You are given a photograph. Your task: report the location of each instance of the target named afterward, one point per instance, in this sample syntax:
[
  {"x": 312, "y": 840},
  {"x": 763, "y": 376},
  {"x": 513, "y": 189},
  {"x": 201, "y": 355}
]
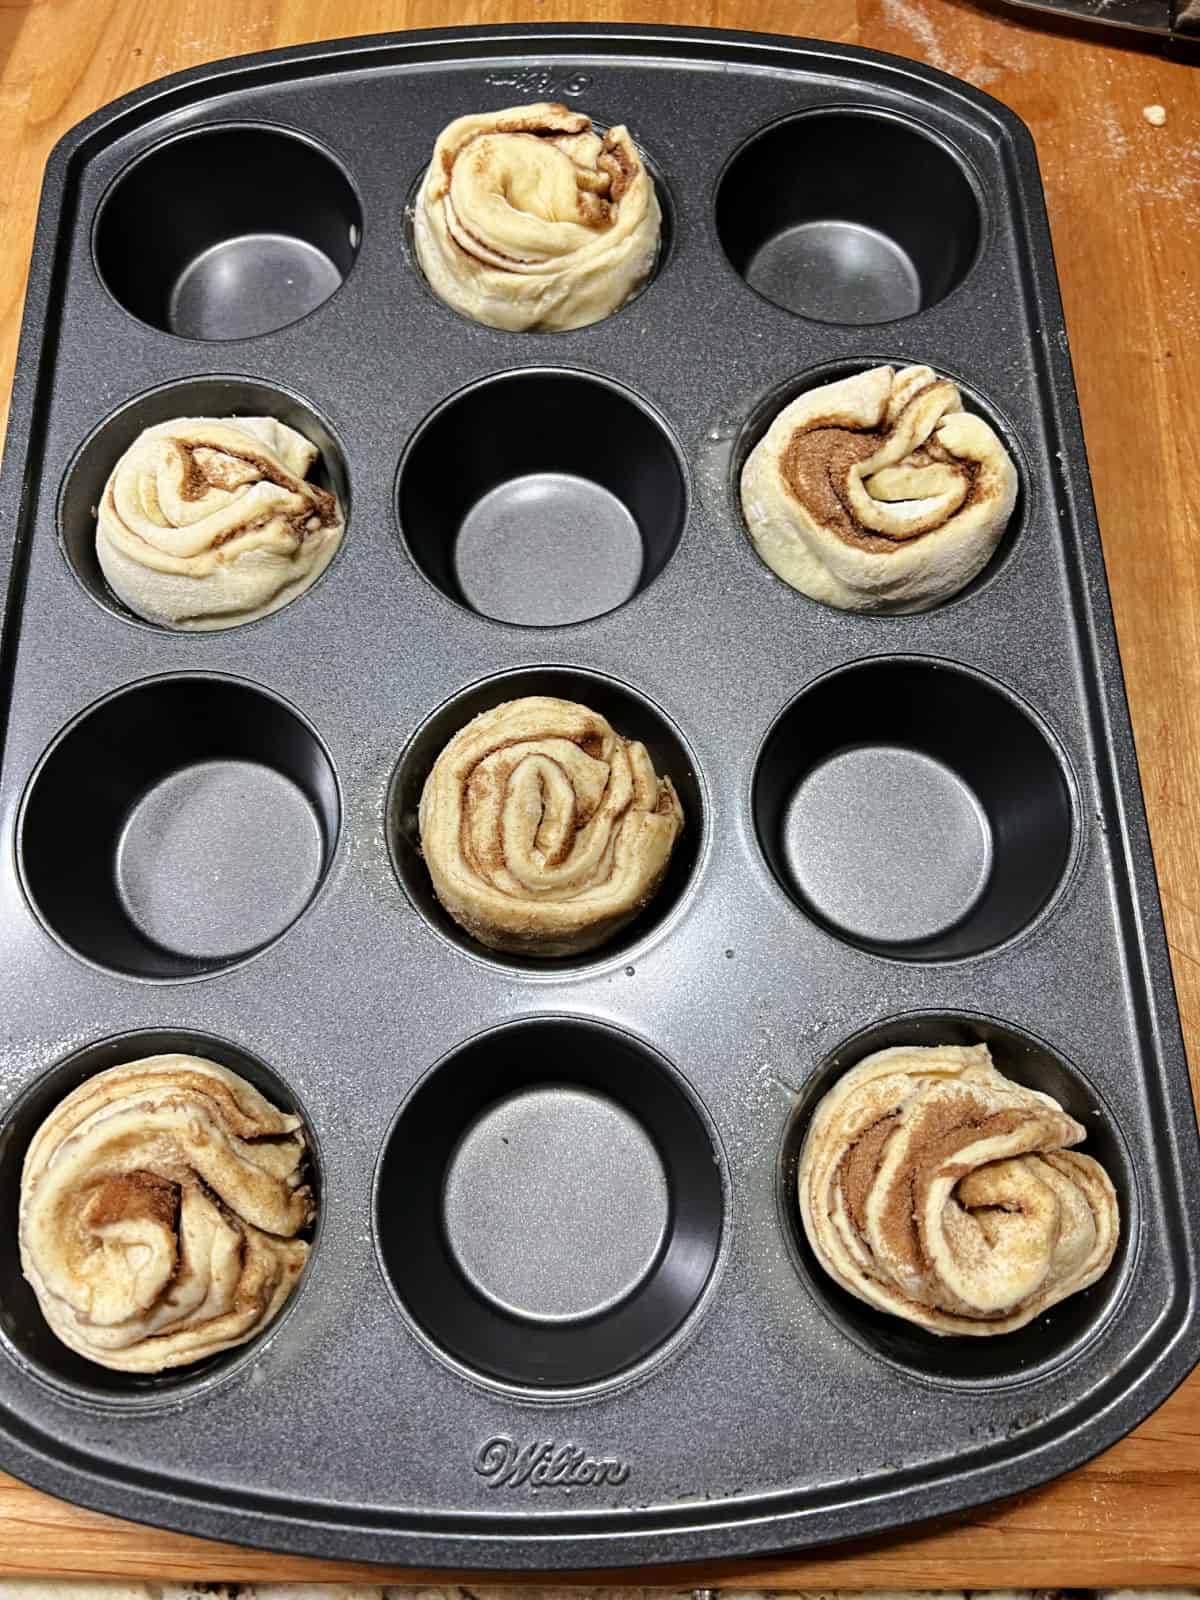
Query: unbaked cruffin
[
  {"x": 879, "y": 492},
  {"x": 210, "y": 522},
  {"x": 528, "y": 219},
  {"x": 934, "y": 1188},
  {"x": 163, "y": 1204},
  {"x": 545, "y": 832}
]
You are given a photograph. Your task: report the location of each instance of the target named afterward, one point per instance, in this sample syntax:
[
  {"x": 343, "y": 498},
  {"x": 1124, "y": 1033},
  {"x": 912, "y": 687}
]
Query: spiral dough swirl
[
  {"x": 161, "y": 1204},
  {"x": 544, "y": 831},
  {"x": 208, "y": 523},
  {"x": 529, "y": 219},
  {"x": 879, "y": 492},
  {"x": 936, "y": 1189}
]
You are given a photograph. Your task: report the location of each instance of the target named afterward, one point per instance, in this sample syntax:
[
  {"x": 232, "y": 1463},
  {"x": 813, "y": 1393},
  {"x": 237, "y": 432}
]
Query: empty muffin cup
[
  {"x": 1058, "y": 1333},
  {"x": 848, "y": 216},
  {"x": 549, "y": 1204},
  {"x": 228, "y": 232},
  {"x": 212, "y": 814},
  {"x": 21, "y": 1321},
  {"x": 913, "y": 808},
  {"x": 631, "y": 715},
  {"x": 542, "y": 497},
  {"x": 220, "y": 397}
]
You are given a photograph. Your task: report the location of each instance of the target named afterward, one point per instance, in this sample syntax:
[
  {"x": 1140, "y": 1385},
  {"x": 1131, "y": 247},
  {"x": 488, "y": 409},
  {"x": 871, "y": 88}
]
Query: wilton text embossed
[{"x": 504, "y": 1464}]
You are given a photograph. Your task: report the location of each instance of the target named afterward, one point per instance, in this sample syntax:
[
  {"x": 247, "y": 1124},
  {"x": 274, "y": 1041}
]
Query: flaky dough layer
[
  {"x": 528, "y": 219},
  {"x": 934, "y": 1188},
  {"x": 545, "y": 831},
  {"x": 878, "y": 492},
  {"x": 209, "y": 522},
  {"x": 161, "y": 1204}
]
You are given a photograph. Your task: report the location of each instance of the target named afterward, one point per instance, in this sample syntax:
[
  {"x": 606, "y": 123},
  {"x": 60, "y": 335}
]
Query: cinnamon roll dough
[
  {"x": 208, "y": 523},
  {"x": 529, "y": 219},
  {"x": 545, "y": 831},
  {"x": 934, "y": 1188},
  {"x": 161, "y": 1204},
  {"x": 878, "y": 492}
]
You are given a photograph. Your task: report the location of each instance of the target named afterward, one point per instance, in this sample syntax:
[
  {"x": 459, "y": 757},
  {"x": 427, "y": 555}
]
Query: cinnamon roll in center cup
[
  {"x": 546, "y": 817},
  {"x": 544, "y": 830}
]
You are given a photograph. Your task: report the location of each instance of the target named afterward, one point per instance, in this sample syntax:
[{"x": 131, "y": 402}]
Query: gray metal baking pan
[{"x": 611, "y": 1346}]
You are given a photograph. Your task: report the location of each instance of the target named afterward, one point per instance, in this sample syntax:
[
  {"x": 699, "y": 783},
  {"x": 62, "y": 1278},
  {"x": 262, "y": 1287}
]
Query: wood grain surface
[{"x": 1124, "y": 201}]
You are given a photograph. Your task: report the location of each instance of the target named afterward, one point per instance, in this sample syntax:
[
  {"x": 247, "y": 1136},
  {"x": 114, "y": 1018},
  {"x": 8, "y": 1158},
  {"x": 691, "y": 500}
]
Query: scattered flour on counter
[
  {"x": 909, "y": 17},
  {"x": 1117, "y": 138},
  {"x": 1174, "y": 175}
]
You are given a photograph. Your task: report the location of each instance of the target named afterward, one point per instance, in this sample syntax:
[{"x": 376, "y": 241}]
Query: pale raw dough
[
  {"x": 545, "y": 831},
  {"x": 527, "y": 219},
  {"x": 933, "y": 1187},
  {"x": 878, "y": 492},
  {"x": 207, "y": 523},
  {"x": 161, "y": 1204}
]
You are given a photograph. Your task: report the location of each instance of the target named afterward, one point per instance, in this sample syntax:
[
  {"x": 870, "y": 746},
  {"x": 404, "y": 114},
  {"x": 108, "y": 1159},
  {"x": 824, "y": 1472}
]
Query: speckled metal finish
[
  {"x": 555, "y": 1204},
  {"x": 774, "y": 1415}
]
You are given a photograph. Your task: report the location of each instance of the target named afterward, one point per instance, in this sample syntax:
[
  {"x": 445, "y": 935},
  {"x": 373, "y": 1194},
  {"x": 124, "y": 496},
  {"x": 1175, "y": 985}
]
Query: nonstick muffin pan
[{"x": 605, "y": 1340}]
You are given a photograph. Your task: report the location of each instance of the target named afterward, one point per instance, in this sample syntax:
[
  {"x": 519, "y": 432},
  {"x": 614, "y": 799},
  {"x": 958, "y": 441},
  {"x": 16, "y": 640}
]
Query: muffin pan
[{"x": 559, "y": 1311}]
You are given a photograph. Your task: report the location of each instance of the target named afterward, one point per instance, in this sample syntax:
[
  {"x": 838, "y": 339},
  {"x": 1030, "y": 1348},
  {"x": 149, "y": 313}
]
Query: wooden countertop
[{"x": 1124, "y": 202}]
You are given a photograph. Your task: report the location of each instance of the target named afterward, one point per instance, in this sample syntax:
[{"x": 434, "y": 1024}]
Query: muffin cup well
[
  {"x": 848, "y": 216},
  {"x": 228, "y": 232},
  {"x": 914, "y": 808},
  {"x": 1059, "y": 1333},
  {"x": 213, "y": 813},
  {"x": 542, "y": 497},
  {"x": 21, "y": 1321},
  {"x": 549, "y": 1204},
  {"x": 631, "y": 715}
]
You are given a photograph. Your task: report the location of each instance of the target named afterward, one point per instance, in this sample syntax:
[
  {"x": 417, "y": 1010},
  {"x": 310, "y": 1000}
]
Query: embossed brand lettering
[
  {"x": 540, "y": 80},
  {"x": 504, "y": 1464}
]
